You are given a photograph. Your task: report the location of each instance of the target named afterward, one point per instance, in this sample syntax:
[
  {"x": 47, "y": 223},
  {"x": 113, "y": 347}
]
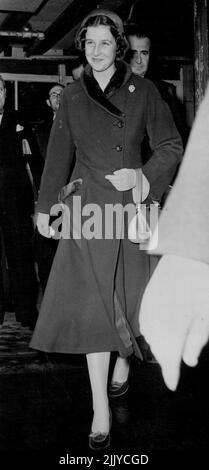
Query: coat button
[
  {"x": 118, "y": 123},
  {"x": 118, "y": 148}
]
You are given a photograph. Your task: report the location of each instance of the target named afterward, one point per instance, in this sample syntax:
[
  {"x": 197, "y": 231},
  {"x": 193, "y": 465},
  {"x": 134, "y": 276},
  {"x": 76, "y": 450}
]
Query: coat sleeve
[
  {"x": 34, "y": 158},
  {"x": 168, "y": 94},
  {"x": 59, "y": 158},
  {"x": 165, "y": 142}
]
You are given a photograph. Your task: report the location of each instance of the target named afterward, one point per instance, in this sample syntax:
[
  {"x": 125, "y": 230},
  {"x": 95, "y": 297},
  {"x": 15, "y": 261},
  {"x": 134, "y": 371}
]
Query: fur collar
[{"x": 92, "y": 88}]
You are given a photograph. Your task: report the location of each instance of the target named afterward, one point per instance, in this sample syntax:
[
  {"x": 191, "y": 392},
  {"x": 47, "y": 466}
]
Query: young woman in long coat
[{"x": 95, "y": 286}]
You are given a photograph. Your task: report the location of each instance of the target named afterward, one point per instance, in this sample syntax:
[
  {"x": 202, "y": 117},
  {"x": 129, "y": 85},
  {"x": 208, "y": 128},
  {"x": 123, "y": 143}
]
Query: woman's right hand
[{"x": 42, "y": 222}]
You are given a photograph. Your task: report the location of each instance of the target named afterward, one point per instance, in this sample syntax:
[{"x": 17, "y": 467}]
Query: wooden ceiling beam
[
  {"x": 72, "y": 15},
  {"x": 13, "y": 21},
  {"x": 20, "y": 5}
]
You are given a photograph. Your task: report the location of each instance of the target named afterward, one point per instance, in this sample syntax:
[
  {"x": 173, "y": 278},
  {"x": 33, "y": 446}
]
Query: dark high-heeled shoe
[
  {"x": 117, "y": 389},
  {"x": 100, "y": 440}
]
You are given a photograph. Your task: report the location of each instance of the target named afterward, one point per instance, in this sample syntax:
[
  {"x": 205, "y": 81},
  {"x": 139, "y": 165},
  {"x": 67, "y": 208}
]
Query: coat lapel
[{"x": 93, "y": 90}]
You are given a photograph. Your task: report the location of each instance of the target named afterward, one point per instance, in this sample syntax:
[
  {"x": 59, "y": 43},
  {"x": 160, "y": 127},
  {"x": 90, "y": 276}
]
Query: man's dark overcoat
[
  {"x": 92, "y": 298},
  {"x": 45, "y": 247},
  {"x": 16, "y": 207}
]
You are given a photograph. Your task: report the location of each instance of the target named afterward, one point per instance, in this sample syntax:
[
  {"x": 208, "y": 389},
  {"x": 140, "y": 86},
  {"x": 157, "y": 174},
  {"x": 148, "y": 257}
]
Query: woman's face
[{"x": 100, "y": 48}]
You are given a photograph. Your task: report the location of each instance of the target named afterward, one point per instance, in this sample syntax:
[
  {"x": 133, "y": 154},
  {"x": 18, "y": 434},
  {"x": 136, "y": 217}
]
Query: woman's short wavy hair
[{"x": 100, "y": 19}]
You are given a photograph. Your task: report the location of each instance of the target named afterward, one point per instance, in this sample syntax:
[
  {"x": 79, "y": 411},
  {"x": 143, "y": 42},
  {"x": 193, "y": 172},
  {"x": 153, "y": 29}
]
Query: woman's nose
[{"x": 96, "y": 49}]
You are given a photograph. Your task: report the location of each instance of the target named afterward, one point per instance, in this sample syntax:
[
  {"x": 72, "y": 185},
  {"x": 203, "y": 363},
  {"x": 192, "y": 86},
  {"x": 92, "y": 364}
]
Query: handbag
[{"x": 139, "y": 230}]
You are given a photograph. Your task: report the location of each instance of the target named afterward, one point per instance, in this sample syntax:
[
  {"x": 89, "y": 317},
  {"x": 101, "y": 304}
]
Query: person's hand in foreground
[{"x": 174, "y": 314}]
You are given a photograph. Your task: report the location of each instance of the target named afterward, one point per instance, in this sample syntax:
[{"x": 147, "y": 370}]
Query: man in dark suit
[
  {"x": 21, "y": 166},
  {"x": 142, "y": 62},
  {"x": 46, "y": 247},
  {"x": 44, "y": 129}
]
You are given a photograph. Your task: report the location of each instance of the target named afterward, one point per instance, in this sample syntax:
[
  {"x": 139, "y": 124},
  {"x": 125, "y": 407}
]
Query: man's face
[
  {"x": 140, "y": 48},
  {"x": 54, "y": 97},
  {"x": 2, "y": 96}
]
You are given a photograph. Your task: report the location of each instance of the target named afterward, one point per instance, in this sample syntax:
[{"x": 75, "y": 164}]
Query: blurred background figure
[
  {"x": 174, "y": 316},
  {"x": 54, "y": 97},
  {"x": 21, "y": 166},
  {"x": 139, "y": 52},
  {"x": 46, "y": 247},
  {"x": 53, "y": 102},
  {"x": 144, "y": 63}
]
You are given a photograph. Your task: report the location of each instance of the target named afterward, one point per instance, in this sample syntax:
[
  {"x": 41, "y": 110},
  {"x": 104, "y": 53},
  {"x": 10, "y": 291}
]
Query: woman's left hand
[{"x": 123, "y": 179}]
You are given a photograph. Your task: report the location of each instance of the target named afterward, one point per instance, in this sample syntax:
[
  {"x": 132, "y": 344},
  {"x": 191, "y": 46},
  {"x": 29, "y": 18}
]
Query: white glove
[
  {"x": 174, "y": 315},
  {"x": 123, "y": 179},
  {"x": 42, "y": 223}
]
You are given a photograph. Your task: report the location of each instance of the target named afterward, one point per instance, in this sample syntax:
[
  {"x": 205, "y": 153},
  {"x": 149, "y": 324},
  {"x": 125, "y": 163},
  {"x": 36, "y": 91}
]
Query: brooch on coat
[{"x": 132, "y": 88}]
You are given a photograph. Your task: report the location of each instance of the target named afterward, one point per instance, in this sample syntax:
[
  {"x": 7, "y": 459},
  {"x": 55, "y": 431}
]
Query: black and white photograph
[{"x": 104, "y": 233}]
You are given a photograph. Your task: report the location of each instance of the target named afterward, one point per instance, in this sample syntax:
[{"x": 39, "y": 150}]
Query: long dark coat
[
  {"x": 92, "y": 298},
  {"x": 16, "y": 207}
]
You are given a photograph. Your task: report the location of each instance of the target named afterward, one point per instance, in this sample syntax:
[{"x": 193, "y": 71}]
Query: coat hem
[{"x": 81, "y": 351}]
